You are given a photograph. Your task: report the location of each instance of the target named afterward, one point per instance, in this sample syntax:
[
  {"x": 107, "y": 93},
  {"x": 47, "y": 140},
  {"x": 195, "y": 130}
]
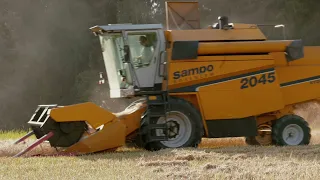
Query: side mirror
[{"x": 126, "y": 53}]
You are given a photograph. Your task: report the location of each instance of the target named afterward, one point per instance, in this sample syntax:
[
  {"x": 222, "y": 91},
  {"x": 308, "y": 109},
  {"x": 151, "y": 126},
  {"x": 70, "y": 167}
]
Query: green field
[{"x": 4, "y": 135}]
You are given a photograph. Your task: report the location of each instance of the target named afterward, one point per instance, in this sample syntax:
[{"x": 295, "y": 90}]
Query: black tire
[
  {"x": 195, "y": 122},
  {"x": 291, "y": 120}
]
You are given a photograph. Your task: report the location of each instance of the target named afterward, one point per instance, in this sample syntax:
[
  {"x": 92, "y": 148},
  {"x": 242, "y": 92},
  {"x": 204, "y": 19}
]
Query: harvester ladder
[{"x": 157, "y": 108}]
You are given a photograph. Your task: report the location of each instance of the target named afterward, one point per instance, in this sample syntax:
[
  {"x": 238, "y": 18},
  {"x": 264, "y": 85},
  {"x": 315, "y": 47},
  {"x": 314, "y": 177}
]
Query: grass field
[
  {"x": 228, "y": 158},
  {"x": 214, "y": 159}
]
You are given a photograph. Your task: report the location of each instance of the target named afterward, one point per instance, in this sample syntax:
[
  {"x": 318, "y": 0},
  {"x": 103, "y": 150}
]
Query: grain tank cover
[{"x": 182, "y": 15}]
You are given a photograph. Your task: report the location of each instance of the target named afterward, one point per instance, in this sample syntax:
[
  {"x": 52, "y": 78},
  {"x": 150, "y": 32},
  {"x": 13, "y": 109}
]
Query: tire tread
[
  {"x": 283, "y": 121},
  {"x": 195, "y": 139}
]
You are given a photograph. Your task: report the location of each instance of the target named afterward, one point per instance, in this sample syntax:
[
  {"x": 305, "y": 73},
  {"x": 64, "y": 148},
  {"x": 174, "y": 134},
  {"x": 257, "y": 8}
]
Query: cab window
[{"x": 142, "y": 47}]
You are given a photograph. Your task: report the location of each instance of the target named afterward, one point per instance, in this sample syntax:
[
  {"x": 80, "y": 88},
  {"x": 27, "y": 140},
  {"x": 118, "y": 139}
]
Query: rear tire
[
  {"x": 291, "y": 130},
  {"x": 186, "y": 126}
]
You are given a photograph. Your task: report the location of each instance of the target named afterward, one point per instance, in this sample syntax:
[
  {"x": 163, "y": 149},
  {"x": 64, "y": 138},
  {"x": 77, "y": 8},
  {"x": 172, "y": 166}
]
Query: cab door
[{"x": 145, "y": 49}]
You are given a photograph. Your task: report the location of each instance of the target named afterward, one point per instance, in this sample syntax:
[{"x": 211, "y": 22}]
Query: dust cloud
[
  {"x": 310, "y": 111},
  {"x": 44, "y": 45}
]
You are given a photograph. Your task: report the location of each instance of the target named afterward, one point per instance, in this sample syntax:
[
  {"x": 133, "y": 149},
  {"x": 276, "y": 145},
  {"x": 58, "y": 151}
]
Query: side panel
[
  {"x": 300, "y": 80},
  {"x": 299, "y": 83},
  {"x": 242, "y": 95},
  {"x": 225, "y": 127},
  {"x": 232, "y": 127},
  {"x": 231, "y": 89}
]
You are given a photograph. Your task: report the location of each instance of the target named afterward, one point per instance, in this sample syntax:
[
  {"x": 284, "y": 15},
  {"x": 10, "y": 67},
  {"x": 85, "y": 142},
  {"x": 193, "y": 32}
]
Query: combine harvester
[{"x": 226, "y": 80}]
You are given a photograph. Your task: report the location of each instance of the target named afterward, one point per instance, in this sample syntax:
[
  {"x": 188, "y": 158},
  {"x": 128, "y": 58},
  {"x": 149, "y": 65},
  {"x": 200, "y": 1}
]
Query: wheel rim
[
  {"x": 292, "y": 134},
  {"x": 179, "y": 134}
]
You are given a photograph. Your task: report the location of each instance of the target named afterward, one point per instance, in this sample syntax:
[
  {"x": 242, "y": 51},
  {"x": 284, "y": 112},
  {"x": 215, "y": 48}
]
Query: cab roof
[{"x": 120, "y": 27}]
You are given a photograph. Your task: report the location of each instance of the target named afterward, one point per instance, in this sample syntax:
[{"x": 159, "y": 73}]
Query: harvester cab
[{"x": 132, "y": 56}]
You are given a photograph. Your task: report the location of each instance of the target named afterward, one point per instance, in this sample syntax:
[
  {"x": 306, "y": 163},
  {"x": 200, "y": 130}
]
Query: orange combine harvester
[{"x": 227, "y": 80}]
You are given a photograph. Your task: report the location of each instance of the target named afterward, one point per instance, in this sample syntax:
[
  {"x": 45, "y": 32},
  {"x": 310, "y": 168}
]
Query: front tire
[
  {"x": 291, "y": 130},
  {"x": 185, "y": 127}
]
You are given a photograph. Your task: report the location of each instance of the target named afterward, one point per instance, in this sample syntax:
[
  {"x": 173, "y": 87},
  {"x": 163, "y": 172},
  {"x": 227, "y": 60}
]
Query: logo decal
[{"x": 193, "y": 73}]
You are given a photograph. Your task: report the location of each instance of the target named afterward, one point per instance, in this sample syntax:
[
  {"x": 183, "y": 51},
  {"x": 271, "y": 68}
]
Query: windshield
[{"x": 118, "y": 72}]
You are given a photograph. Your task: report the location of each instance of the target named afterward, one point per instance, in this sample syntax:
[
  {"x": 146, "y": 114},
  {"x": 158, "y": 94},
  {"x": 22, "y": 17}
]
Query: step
[
  {"x": 153, "y": 92},
  {"x": 157, "y": 138},
  {"x": 150, "y": 127},
  {"x": 156, "y": 115},
  {"x": 157, "y": 126},
  {"x": 157, "y": 102}
]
